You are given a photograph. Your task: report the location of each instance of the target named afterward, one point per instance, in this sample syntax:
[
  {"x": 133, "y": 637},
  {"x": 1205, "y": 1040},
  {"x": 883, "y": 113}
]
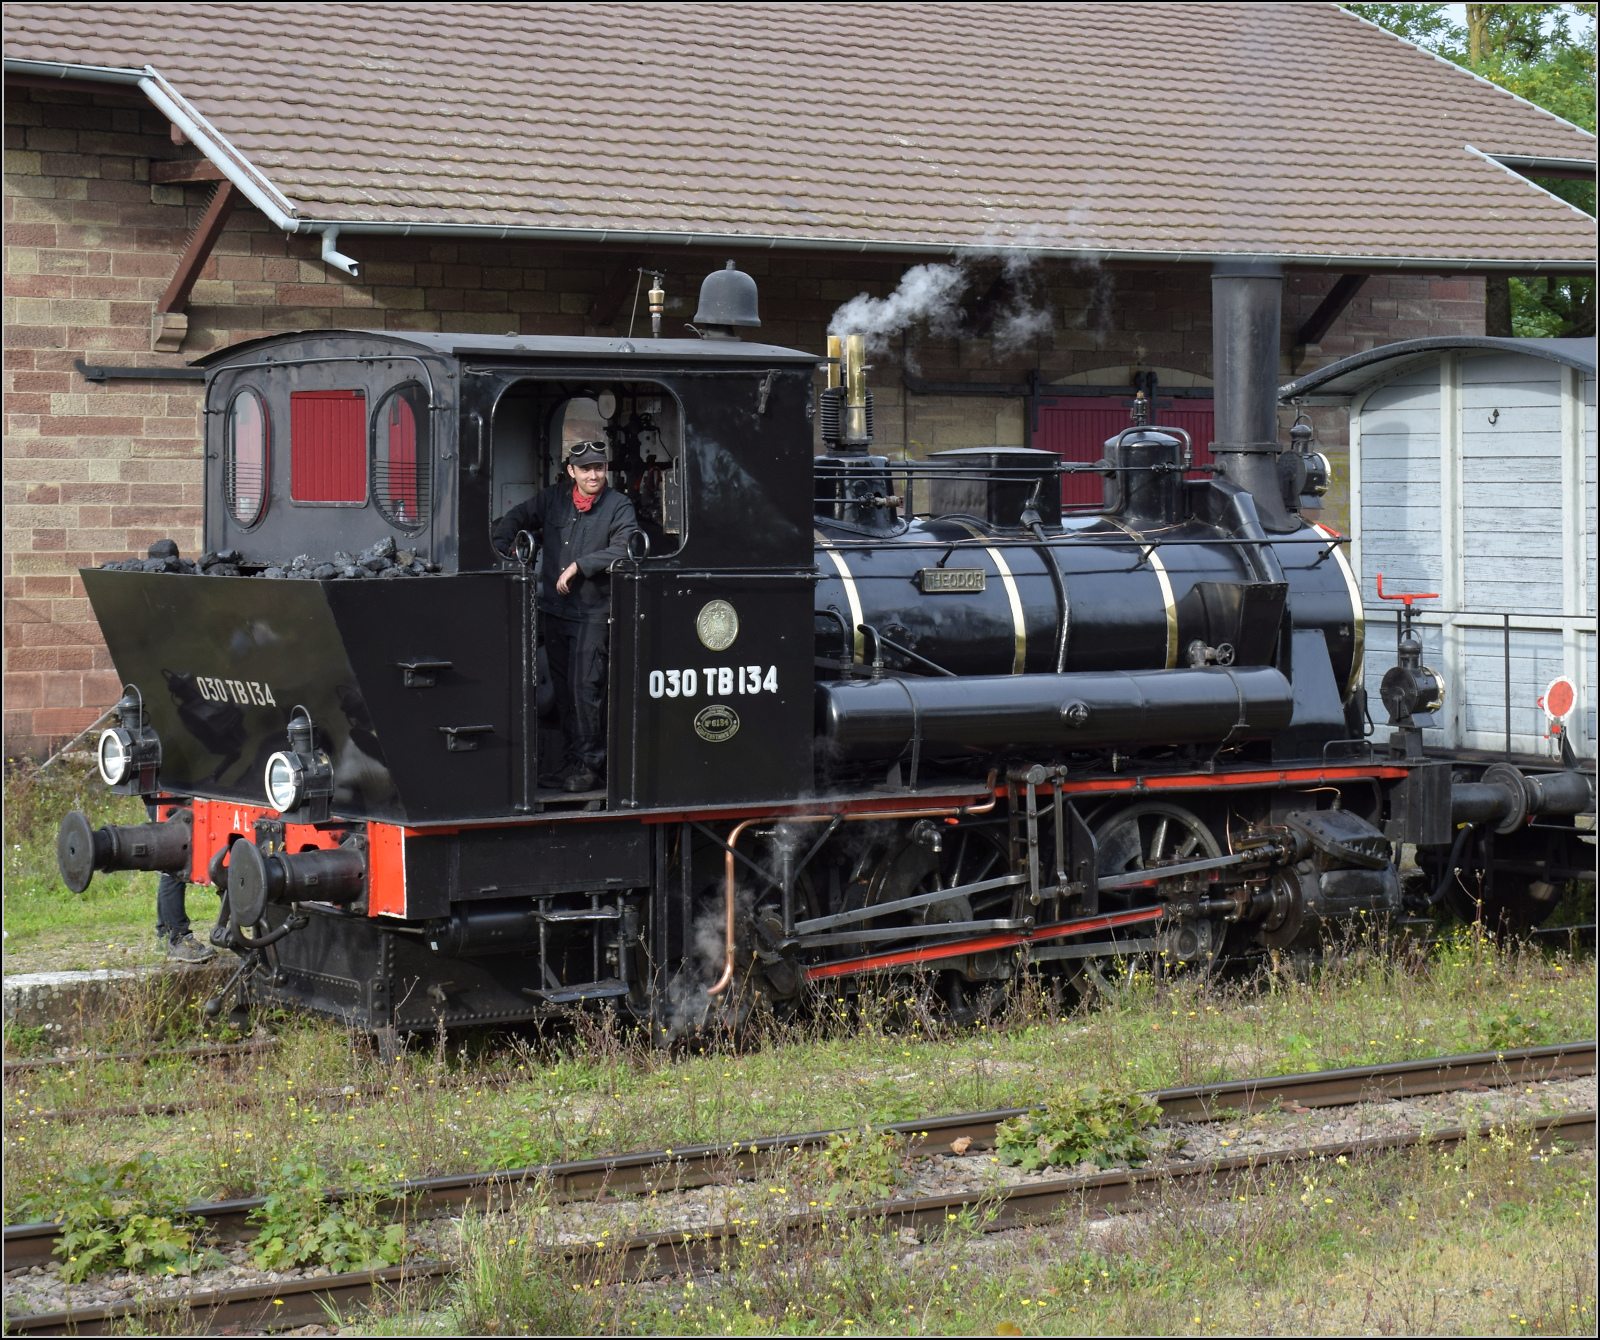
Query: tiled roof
[{"x": 1294, "y": 130}]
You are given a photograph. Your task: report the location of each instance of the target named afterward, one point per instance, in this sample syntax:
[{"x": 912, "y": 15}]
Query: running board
[{"x": 576, "y": 995}]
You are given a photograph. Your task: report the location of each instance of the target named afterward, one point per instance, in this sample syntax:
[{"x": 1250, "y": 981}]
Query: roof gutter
[
  {"x": 855, "y": 246},
  {"x": 280, "y": 210},
  {"x": 1534, "y": 165},
  {"x": 233, "y": 165}
]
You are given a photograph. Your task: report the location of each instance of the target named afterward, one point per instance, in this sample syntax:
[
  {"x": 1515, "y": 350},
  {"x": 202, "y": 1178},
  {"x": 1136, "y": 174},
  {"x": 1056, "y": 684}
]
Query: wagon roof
[
  {"x": 532, "y": 348},
  {"x": 1165, "y": 132},
  {"x": 1350, "y": 375}
]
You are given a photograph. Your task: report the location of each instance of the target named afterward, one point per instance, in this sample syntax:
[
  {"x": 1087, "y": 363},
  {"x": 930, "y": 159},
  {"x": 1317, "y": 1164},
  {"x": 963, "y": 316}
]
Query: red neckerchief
[{"x": 584, "y": 501}]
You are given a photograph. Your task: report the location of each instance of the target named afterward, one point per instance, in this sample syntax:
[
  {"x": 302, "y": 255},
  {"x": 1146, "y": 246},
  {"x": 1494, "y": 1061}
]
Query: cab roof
[{"x": 531, "y": 347}]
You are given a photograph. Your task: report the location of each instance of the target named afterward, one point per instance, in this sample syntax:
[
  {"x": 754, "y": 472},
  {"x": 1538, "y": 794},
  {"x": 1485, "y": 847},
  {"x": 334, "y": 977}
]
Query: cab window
[
  {"x": 536, "y": 422},
  {"x": 244, "y": 464},
  {"x": 401, "y": 457},
  {"x": 327, "y": 448}
]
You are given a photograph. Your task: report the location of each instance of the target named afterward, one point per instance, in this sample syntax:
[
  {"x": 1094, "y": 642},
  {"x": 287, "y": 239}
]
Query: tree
[{"x": 1546, "y": 54}]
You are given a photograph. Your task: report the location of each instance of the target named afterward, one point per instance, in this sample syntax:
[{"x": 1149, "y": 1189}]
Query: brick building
[{"x": 182, "y": 177}]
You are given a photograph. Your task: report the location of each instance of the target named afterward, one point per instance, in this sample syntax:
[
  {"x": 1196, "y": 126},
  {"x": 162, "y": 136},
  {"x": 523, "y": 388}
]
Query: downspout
[
  {"x": 257, "y": 189},
  {"x": 332, "y": 256}
]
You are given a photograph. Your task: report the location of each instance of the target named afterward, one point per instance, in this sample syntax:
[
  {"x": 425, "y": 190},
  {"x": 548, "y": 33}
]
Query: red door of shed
[{"x": 1077, "y": 428}]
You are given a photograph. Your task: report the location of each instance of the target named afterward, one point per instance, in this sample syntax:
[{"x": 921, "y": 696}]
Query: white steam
[
  {"x": 1098, "y": 313},
  {"x": 929, "y": 296},
  {"x": 690, "y": 1006},
  {"x": 1022, "y": 318}
]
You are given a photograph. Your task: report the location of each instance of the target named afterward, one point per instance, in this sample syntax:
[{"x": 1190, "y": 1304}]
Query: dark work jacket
[{"x": 594, "y": 540}]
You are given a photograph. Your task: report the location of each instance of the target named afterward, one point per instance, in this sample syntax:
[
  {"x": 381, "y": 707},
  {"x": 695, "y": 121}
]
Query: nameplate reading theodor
[{"x": 932, "y": 580}]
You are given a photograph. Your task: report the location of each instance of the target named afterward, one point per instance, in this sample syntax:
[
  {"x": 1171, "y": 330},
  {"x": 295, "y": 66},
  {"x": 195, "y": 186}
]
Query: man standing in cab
[{"x": 583, "y": 528}]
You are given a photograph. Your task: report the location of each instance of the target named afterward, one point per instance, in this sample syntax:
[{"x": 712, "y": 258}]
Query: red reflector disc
[{"x": 1560, "y": 698}]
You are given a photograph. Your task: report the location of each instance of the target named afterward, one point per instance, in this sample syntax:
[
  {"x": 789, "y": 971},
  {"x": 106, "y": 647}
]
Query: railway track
[
  {"x": 282, "y": 1306},
  {"x": 141, "y": 1058},
  {"x": 294, "y": 1303},
  {"x": 697, "y": 1165}
]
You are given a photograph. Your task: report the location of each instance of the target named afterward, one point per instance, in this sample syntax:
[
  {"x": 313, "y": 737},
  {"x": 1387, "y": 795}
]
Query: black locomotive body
[{"x": 865, "y": 716}]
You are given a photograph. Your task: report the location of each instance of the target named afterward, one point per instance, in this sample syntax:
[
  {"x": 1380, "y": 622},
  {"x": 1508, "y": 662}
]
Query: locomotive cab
[{"x": 352, "y": 480}]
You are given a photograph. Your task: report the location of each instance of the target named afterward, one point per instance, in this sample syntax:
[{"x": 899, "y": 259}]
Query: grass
[
  {"x": 458, "y": 1106},
  {"x": 47, "y": 927},
  {"x": 1488, "y": 1238}
]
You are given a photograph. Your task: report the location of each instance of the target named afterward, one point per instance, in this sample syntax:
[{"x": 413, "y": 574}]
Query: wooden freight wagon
[{"x": 1472, "y": 474}]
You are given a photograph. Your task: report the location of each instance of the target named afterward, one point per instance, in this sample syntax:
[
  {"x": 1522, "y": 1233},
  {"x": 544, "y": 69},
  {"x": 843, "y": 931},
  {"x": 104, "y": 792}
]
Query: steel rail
[
  {"x": 141, "y": 1058},
  {"x": 248, "y": 1310},
  {"x": 1021, "y": 1203},
  {"x": 698, "y": 1165},
  {"x": 655, "y": 1255},
  {"x": 178, "y": 1107}
]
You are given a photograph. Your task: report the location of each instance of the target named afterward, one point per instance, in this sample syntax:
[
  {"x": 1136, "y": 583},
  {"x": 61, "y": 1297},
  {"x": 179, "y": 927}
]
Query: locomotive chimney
[{"x": 1246, "y": 307}]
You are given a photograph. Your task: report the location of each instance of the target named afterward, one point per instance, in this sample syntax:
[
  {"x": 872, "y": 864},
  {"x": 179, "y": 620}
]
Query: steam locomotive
[{"x": 866, "y": 716}]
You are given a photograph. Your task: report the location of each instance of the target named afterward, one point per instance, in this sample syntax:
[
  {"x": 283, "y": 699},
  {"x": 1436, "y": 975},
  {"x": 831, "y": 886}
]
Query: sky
[{"x": 1458, "y": 15}]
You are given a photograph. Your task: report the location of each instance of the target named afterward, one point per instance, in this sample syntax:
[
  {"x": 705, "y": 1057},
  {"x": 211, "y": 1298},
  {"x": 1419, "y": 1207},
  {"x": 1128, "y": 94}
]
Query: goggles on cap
[{"x": 586, "y": 453}]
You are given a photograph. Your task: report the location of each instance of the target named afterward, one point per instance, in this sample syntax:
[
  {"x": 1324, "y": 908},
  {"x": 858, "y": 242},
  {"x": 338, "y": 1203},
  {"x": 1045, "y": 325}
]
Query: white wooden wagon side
[{"x": 1472, "y": 474}]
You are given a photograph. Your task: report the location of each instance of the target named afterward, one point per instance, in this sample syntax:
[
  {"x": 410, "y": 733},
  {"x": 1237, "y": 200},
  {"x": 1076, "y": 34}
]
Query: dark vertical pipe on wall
[
  {"x": 1505, "y": 632},
  {"x": 1246, "y": 312}
]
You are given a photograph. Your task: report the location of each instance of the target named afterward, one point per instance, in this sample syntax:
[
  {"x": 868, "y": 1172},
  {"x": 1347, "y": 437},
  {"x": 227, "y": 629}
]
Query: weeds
[
  {"x": 829, "y": 1273},
  {"x": 119, "y": 1217},
  {"x": 515, "y": 1279},
  {"x": 1087, "y": 1123},
  {"x": 299, "y": 1223},
  {"x": 870, "y": 1161},
  {"x": 1488, "y": 1237},
  {"x": 1516, "y": 1028}
]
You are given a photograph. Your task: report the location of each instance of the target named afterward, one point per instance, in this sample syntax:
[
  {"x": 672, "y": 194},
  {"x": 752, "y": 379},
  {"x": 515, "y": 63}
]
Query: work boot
[
  {"x": 581, "y": 779},
  {"x": 186, "y": 949}
]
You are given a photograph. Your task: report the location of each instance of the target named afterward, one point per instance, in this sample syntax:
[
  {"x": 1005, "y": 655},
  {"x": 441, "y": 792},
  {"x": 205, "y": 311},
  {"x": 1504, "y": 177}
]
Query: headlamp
[
  {"x": 286, "y": 781},
  {"x": 129, "y": 754},
  {"x": 299, "y": 780},
  {"x": 116, "y": 756}
]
